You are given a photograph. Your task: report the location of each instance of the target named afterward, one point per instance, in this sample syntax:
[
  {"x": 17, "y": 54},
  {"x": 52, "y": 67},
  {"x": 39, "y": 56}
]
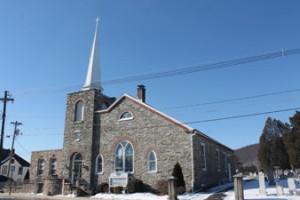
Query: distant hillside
[{"x": 247, "y": 156}]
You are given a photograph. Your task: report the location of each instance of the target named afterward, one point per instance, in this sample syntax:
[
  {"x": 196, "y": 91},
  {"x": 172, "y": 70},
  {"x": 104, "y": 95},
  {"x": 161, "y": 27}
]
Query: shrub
[
  {"x": 104, "y": 188},
  {"x": 118, "y": 190},
  {"x": 162, "y": 187},
  {"x": 180, "y": 183},
  {"x": 135, "y": 185}
]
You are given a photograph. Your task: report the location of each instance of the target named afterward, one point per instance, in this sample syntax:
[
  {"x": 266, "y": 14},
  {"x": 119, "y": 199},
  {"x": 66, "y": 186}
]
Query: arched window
[
  {"x": 79, "y": 111},
  {"x": 126, "y": 116},
  {"x": 53, "y": 166},
  {"x": 41, "y": 166},
  {"x": 124, "y": 157},
  {"x": 99, "y": 164},
  {"x": 76, "y": 167},
  {"x": 151, "y": 162}
]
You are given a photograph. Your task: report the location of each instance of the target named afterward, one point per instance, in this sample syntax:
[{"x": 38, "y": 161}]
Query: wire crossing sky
[{"x": 247, "y": 53}]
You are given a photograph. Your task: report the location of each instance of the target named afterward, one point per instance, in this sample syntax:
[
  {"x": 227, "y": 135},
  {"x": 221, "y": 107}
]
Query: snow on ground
[
  {"x": 251, "y": 191},
  {"x": 149, "y": 196}
]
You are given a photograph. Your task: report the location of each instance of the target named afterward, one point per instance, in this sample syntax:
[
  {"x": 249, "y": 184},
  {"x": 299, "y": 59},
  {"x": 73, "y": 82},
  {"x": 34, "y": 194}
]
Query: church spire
[{"x": 93, "y": 77}]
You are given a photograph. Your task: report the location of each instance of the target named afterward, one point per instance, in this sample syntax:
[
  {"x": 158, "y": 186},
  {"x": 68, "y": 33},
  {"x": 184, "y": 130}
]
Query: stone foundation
[{"x": 52, "y": 186}]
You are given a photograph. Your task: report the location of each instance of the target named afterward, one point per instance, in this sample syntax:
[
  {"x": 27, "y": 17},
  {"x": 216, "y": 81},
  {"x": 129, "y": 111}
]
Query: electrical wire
[
  {"x": 25, "y": 149},
  {"x": 177, "y": 72},
  {"x": 232, "y": 99},
  {"x": 205, "y": 67}
]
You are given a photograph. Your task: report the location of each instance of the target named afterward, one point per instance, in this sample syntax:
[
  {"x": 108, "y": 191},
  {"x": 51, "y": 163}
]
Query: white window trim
[
  {"x": 204, "y": 153},
  {"x": 96, "y": 167},
  {"x": 133, "y": 153},
  {"x": 42, "y": 167},
  {"x": 55, "y": 166},
  {"x": 148, "y": 166},
  {"x": 127, "y": 118},
  {"x": 82, "y": 111}
]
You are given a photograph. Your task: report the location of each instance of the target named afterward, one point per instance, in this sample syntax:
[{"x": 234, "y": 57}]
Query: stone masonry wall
[
  {"x": 146, "y": 131},
  {"x": 46, "y": 155},
  {"x": 212, "y": 175},
  {"x": 89, "y": 140},
  {"x": 83, "y": 144}
]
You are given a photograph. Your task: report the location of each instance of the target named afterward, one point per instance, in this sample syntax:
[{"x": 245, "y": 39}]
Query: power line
[
  {"x": 25, "y": 149},
  {"x": 177, "y": 72},
  {"x": 205, "y": 67},
  {"x": 243, "y": 116},
  {"x": 232, "y": 99},
  {"x": 186, "y": 123}
]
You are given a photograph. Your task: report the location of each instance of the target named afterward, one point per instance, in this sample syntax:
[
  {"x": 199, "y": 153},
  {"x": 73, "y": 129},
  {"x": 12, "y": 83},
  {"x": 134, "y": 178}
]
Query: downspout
[{"x": 192, "y": 160}]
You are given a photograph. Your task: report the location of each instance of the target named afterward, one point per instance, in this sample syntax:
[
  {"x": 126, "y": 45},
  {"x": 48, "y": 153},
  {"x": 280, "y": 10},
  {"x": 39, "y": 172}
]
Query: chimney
[{"x": 141, "y": 93}]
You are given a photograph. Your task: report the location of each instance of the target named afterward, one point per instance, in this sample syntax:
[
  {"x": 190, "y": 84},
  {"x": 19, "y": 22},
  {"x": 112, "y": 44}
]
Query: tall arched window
[
  {"x": 124, "y": 157},
  {"x": 99, "y": 164},
  {"x": 79, "y": 111},
  {"x": 151, "y": 162}
]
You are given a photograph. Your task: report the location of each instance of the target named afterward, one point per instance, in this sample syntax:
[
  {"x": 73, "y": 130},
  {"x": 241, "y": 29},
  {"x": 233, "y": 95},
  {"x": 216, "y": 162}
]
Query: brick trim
[
  {"x": 124, "y": 138},
  {"x": 151, "y": 148}
]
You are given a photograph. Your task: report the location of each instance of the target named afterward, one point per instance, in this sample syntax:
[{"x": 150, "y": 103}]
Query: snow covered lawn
[{"x": 251, "y": 191}]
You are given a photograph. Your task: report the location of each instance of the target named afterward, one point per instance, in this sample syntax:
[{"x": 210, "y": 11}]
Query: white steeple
[{"x": 93, "y": 77}]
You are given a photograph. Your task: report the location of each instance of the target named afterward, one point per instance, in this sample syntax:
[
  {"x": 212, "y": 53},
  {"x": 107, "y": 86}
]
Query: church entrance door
[{"x": 76, "y": 168}]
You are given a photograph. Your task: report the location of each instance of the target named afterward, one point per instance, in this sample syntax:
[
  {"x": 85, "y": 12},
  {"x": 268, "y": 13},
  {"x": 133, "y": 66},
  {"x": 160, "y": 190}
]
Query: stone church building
[{"x": 107, "y": 139}]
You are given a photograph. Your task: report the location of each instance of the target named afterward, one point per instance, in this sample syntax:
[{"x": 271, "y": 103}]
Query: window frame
[
  {"x": 53, "y": 166},
  {"x": 151, "y": 161},
  {"x": 4, "y": 170},
  {"x": 121, "y": 118},
  {"x": 41, "y": 167},
  {"x": 79, "y": 111},
  {"x": 203, "y": 157},
  {"x": 218, "y": 160},
  {"x": 97, "y": 164},
  {"x": 20, "y": 170},
  {"x": 124, "y": 144},
  {"x": 76, "y": 135}
]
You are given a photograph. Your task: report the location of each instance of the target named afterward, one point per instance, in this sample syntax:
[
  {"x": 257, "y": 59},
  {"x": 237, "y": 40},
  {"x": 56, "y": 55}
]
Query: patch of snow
[
  {"x": 251, "y": 191},
  {"x": 135, "y": 196}
]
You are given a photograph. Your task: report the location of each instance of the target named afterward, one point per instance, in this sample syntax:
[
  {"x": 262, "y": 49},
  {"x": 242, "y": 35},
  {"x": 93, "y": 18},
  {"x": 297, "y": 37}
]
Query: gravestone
[
  {"x": 290, "y": 174},
  {"x": 279, "y": 189},
  {"x": 238, "y": 187},
  {"x": 271, "y": 177},
  {"x": 262, "y": 185},
  {"x": 292, "y": 185},
  {"x": 172, "y": 188}
]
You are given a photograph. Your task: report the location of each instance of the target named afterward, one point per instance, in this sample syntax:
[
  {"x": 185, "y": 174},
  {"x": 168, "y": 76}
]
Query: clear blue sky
[{"x": 45, "y": 47}]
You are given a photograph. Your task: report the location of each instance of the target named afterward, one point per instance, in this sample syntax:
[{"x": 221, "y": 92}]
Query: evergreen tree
[
  {"x": 292, "y": 141},
  {"x": 177, "y": 173},
  {"x": 272, "y": 150}
]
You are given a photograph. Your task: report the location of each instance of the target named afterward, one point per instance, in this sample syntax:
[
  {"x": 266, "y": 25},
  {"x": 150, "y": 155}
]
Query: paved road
[{"x": 6, "y": 196}]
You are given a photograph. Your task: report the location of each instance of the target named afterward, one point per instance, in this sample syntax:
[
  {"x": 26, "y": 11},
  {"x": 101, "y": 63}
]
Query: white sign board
[{"x": 118, "y": 179}]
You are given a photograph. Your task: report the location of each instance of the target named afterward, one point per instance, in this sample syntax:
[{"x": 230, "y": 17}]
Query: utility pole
[
  {"x": 12, "y": 152},
  {"x": 5, "y": 100}
]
